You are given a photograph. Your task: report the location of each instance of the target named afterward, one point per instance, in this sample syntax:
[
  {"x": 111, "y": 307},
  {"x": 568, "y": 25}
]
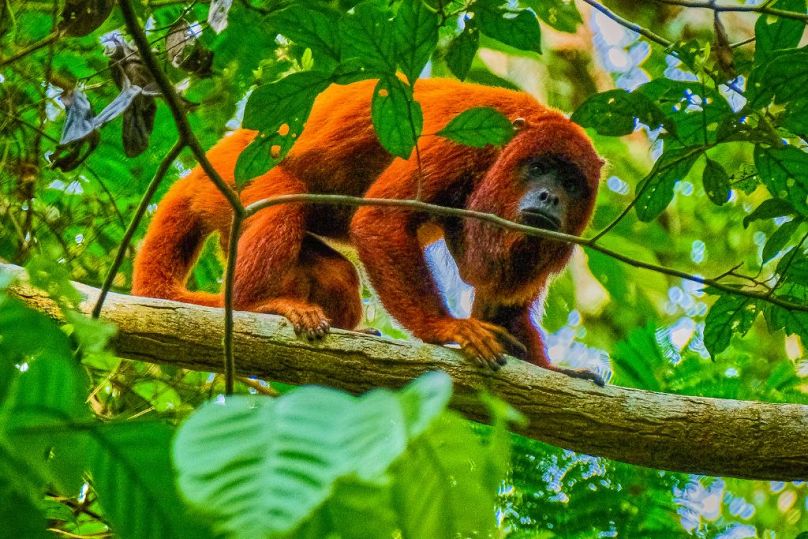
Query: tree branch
[
  {"x": 718, "y": 8},
  {"x": 591, "y": 243},
  {"x": 719, "y": 437}
]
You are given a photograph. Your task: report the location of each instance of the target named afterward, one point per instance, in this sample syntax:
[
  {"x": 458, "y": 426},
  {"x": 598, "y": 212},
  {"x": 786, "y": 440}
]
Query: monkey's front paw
[{"x": 484, "y": 343}]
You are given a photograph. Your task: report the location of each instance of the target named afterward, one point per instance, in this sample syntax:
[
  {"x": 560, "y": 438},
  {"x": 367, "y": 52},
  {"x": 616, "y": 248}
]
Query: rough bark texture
[{"x": 688, "y": 434}]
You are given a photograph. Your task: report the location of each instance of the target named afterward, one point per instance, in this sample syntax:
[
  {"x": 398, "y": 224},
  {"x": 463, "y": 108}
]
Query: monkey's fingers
[
  {"x": 511, "y": 344},
  {"x": 583, "y": 374}
]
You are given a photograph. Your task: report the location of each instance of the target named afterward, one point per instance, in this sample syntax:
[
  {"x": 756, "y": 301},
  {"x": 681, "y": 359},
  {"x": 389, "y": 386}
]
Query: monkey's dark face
[{"x": 552, "y": 187}]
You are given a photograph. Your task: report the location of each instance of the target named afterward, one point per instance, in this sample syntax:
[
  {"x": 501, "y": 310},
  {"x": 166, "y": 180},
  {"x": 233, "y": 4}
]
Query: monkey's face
[
  {"x": 545, "y": 177},
  {"x": 553, "y": 189}
]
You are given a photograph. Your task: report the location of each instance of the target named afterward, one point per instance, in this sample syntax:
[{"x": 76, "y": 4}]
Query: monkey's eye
[
  {"x": 539, "y": 168},
  {"x": 571, "y": 186}
]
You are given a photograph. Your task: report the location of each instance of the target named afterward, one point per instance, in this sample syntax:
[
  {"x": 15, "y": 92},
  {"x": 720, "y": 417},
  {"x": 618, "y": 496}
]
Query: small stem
[
  {"x": 133, "y": 224},
  {"x": 648, "y": 34},
  {"x": 229, "y": 281}
]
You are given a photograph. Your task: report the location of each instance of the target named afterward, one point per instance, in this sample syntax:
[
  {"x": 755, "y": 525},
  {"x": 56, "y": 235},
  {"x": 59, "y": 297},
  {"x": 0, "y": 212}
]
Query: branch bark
[{"x": 717, "y": 437}]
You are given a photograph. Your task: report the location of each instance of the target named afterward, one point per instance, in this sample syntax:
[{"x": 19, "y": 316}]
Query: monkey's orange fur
[{"x": 283, "y": 269}]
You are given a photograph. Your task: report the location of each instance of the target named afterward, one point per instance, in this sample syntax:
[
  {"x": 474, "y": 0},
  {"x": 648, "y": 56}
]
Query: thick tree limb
[{"x": 689, "y": 434}]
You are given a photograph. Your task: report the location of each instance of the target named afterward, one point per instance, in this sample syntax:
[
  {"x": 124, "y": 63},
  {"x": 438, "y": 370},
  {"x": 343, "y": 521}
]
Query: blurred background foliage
[{"x": 732, "y": 85}]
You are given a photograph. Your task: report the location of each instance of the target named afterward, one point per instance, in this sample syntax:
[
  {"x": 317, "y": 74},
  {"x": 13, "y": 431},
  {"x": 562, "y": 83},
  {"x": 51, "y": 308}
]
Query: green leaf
[
  {"x": 694, "y": 112},
  {"x": 365, "y": 35},
  {"x": 793, "y": 268},
  {"x": 772, "y": 32},
  {"x": 716, "y": 182},
  {"x": 25, "y": 333},
  {"x": 655, "y": 191},
  {"x": 416, "y": 35},
  {"x": 397, "y": 118},
  {"x": 462, "y": 49},
  {"x": 560, "y": 14},
  {"x": 479, "y": 127},
  {"x": 310, "y": 27},
  {"x": 20, "y": 516},
  {"x": 784, "y": 171},
  {"x": 131, "y": 469},
  {"x": 773, "y": 207},
  {"x": 54, "y": 278},
  {"x": 613, "y": 113},
  {"x": 636, "y": 358},
  {"x": 443, "y": 485},
  {"x": 729, "y": 315},
  {"x": 611, "y": 274},
  {"x": 517, "y": 28},
  {"x": 779, "y": 239},
  {"x": 286, "y": 101},
  {"x": 263, "y": 466},
  {"x": 424, "y": 399}
]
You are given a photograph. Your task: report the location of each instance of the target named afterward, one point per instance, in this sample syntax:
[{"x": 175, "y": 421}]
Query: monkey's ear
[{"x": 519, "y": 123}]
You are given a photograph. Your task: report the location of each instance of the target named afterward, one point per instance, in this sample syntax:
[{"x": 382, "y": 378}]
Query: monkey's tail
[{"x": 169, "y": 251}]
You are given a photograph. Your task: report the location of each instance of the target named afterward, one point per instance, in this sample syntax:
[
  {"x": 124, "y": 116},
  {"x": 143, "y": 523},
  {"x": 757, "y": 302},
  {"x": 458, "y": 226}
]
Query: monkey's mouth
[{"x": 540, "y": 219}]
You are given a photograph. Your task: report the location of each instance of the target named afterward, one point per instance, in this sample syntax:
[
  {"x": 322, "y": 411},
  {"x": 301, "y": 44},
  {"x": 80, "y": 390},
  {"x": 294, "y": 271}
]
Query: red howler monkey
[{"x": 546, "y": 176}]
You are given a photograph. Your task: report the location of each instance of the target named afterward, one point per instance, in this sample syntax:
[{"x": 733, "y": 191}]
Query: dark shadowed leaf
[
  {"x": 784, "y": 172},
  {"x": 462, "y": 49},
  {"x": 784, "y": 78},
  {"x": 779, "y": 238},
  {"x": 398, "y": 119},
  {"x": 80, "y": 17},
  {"x": 655, "y": 191},
  {"x": 416, "y": 35},
  {"x": 730, "y": 315},
  {"x": 773, "y": 207},
  {"x": 131, "y": 470},
  {"x": 716, "y": 182},
  {"x": 478, "y": 127},
  {"x": 793, "y": 322},
  {"x": 138, "y": 122},
  {"x": 263, "y": 153},
  {"x": 772, "y": 32}
]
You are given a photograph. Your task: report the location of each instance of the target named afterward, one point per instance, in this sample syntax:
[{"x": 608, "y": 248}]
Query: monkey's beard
[{"x": 505, "y": 264}]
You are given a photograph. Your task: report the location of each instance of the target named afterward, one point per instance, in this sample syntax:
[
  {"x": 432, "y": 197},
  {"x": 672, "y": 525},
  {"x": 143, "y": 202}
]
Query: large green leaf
[
  {"x": 773, "y": 207},
  {"x": 615, "y": 112},
  {"x": 283, "y": 101},
  {"x": 262, "y": 466},
  {"x": 397, "y": 118},
  {"x": 442, "y": 487},
  {"x": 517, "y": 28},
  {"x": 365, "y": 36},
  {"x": 131, "y": 471},
  {"x": 560, "y": 14},
  {"x": 416, "y": 35},
  {"x": 784, "y": 79},
  {"x": 779, "y": 238},
  {"x": 655, "y": 191},
  {"x": 479, "y": 127},
  {"x": 310, "y": 27}
]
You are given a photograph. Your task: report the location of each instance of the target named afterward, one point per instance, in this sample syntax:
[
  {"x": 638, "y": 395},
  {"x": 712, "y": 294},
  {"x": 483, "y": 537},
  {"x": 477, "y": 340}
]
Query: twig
[
  {"x": 133, "y": 224},
  {"x": 434, "y": 209},
  {"x": 263, "y": 390},
  {"x": 630, "y": 25},
  {"x": 44, "y": 42},
  {"x": 763, "y": 8}
]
